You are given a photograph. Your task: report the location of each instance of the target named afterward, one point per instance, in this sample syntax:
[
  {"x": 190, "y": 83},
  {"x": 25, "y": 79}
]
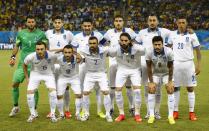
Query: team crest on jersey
[
  {"x": 132, "y": 56},
  {"x": 64, "y": 36},
  {"x": 187, "y": 39},
  {"x": 49, "y": 60}
]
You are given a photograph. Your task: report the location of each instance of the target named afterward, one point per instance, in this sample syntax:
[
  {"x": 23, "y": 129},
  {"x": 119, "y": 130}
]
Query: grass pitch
[{"x": 95, "y": 123}]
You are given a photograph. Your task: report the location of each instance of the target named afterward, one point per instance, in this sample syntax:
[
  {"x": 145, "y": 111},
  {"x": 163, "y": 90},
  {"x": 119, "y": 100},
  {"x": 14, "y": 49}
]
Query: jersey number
[
  {"x": 180, "y": 45},
  {"x": 68, "y": 71},
  {"x": 58, "y": 44},
  {"x": 44, "y": 67}
]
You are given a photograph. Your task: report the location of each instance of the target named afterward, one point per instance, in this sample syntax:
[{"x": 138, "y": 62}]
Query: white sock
[
  {"x": 86, "y": 103},
  {"x": 137, "y": 101},
  {"x": 129, "y": 93},
  {"x": 60, "y": 103},
  {"x": 53, "y": 101},
  {"x": 191, "y": 99},
  {"x": 119, "y": 101},
  {"x": 146, "y": 97},
  {"x": 107, "y": 104},
  {"x": 112, "y": 97},
  {"x": 78, "y": 104},
  {"x": 151, "y": 103},
  {"x": 99, "y": 101},
  {"x": 170, "y": 105},
  {"x": 67, "y": 100},
  {"x": 31, "y": 103},
  {"x": 158, "y": 98},
  {"x": 176, "y": 100}
]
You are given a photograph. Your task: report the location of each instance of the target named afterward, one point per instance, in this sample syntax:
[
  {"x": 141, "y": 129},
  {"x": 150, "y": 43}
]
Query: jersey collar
[
  {"x": 123, "y": 30},
  {"x": 149, "y": 30},
  {"x": 185, "y": 33},
  {"x": 62, "y": 31},
  {"x": 92, "y": 34},
  {"x": 161, "y": 53},
  {"x": 46, "y": 56},
  {"x": 72, "y": 59},
  {"x": 129, "y": 50}
]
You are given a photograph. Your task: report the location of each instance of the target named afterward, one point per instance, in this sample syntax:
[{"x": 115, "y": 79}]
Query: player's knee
[
  {"x": 86, "y": 93},
  {"x": 59, "y": 97},
  {"x": 176, "y": 89},
  {"x": 118, "y": 89},
  {"x": 151, "y": 90},
  {"x": 136, "y": 87},
  {"x": 78, "y": 95},
  {"x": 15, "y": 84},
  {"x": 170, "y": 91},
  {"x": 105, "y": 92},
  {"x": 190, "y": 89},
  {"x": 30, "y": 91},
  {"x": 51, "y": 89}
]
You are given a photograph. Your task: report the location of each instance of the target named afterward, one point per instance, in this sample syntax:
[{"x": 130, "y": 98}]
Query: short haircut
[
  {"x": 182, "y": 16},
  {"x": 57, "y": 17},
  {"x": 87, "y": 20},
  {"x": 118, "y": 16},
  {"x": 157, "y": 38},
  {"x": 93, "y": 38},
  {"x": 126, "y": 35},
  {"x": 30, "y": 16},
  {"x": 152, "y": 14},
  {"x": 68, "y": 47},
  {"x": 41, "y": 43}
]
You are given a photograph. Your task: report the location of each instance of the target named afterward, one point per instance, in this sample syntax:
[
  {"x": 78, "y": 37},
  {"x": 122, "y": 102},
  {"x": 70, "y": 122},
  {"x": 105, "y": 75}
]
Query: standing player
[
  {"x": 26, "y": 40},
  {"x": 42, "y": 63},
  {"x": 113, "y": 36},
  {"x": 95, "y": 59},
  {"x": 58, "y": 38},
  {"x": 128, "y": 58},
  {"x": 159, "y": 61},
  {"x": 69, "y": 75},
  {"x": 185, "y": 71},
  {"x": 80, "y": 41},
  {"x": 145, "y": 38}
]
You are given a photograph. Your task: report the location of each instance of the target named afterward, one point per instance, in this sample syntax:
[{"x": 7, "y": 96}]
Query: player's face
[
  {"x": 152, "y": 22},
  {"x": 57, "y": 23},
  {"x": 68, "y": 52},
  {"x": 182, "y": 24},
  {"x": 93, "y": 45},
  {"x": 40, "y": 50},
  {"x": 158, "y": 46},
  {"x": 124, "y": 42},
  {"x": 30, "y": 23},
  {"x": 87, "y": 27},
  {"x": 118, "y": 23}
]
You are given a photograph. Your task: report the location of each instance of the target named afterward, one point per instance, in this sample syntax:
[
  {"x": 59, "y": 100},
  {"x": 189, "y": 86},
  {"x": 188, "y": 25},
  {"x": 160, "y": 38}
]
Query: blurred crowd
[{"x": 13, "y": 13}]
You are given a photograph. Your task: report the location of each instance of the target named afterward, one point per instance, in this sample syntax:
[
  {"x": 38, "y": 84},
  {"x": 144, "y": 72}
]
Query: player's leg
[
  {"x": 129, "y": 93},
  {"x": 158, "y": 94},
  {"x": 99, "y": 101},
  {"x": 67, "y": 103}
]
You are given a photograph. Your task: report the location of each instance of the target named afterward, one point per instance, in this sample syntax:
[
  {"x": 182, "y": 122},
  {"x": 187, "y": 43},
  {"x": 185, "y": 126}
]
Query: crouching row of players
[{"x": 94, "y": 56}]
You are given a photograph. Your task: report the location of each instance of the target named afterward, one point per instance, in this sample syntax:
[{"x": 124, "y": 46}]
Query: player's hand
[
  {"x": 151, "y": 86},
  {"x": 197, "y": 70},
  {"x": 12, "y": 62}
]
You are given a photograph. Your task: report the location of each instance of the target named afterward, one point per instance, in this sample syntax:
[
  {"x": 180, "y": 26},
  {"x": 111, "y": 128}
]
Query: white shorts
[
  {"x": 73, "y": 81},
  {"x": 36, "y": 78},
  {"x": 184, "y": 74},
  {"x": 123, "y": 74},
  {"x": 144, "y": 74},
  {"x": 91, "y": 78},
  {"x": 160, "y": 80}
]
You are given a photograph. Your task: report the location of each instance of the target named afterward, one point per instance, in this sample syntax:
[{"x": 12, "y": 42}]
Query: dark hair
[
  {"x": 87, "y": 20},
  {"x": 152, "y": 14},
  {"x": 157, "y": 38},
  {"x": 30, "y": 16},
  {"x": 68, "y": 47},
  {"x": 41, "y": 43},
  {"x": 126, "y": 35},
  {"x": 118, "y": 16},
  {"x": 93, "y": 38},
  {"x": 182, "y": 16},
  {"x": 57, "y": 17}
]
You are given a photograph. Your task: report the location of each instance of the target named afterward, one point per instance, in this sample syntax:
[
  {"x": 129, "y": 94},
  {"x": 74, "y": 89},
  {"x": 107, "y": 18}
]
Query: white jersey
[
  {"x": 183, "y": 45},
  {"x": 145, "y": 36},
  {"x": 95, "y": 62},
  {"x": 81, "y": 40},
  {"x": 68, "y": 69},
  {"x": 113, "y": 36},
  {"x": 160, "y": 61},
  {"x": 58, "y": 41},
  {"x": 130, "y": 60},
  {"x": 42, "y": 66}
]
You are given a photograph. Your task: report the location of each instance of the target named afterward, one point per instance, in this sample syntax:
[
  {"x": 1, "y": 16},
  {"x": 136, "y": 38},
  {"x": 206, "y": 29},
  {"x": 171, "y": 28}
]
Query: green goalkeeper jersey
[{"x": 27, "y": 41}]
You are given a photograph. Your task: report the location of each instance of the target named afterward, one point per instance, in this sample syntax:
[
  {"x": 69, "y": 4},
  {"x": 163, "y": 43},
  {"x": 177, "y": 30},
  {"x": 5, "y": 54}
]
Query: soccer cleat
[
  {"x": 157, "y": 115},
  {"x": 53, "y": 118},
  {"x": 111, "y": 111},
  {"x": 36, "y": 114},
  {"x": 147, "y": 116},
  {"x": 49, "y": 115},
  {"x": 120, "y": 118},
  {"x": 101, "y": 115},
  {"x": 175, "y": 115},
  {"x": 171, "y": 120},
  {"x": 109, "y": 118},
  {"x": 192, "y": 116},
  {"x": 14, "y": 111},
  {"x": 137, "y": 118},
  {"x": 31, "y": 118},
  {"x": 68, "y": 115},
  {"x": 151, "y": 119},
  {"x": 78, "y": 117},
  {"x": 61, "y": 117},
  {"x": 132, "y": 111}
]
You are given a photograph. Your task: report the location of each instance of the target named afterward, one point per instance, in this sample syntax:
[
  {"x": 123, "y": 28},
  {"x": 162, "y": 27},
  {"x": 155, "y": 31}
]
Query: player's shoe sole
[{"x": 14, "y": 111}]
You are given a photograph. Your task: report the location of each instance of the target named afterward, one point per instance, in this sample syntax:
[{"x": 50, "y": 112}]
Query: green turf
[{"x": 95, "y": 123}]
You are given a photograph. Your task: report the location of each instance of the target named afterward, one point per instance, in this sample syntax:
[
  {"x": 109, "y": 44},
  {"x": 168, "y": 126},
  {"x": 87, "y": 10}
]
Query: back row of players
[{"x": 130, "y": 54}]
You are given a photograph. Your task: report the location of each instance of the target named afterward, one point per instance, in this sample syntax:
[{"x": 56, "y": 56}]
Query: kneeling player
[
  {"x": 69, "y": 75},
  {"x": 160, "y": 70},
  {"x": 96, "y": 73},
  {"x": 42, "y": 63}
]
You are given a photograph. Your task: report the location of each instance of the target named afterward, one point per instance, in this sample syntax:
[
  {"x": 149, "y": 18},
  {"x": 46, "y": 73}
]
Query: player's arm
[
  {"x": 198, "y": 54},
  {"x": 15, "y": 51},
  {"x": 27, "y": 60},
  {"x": 79, "y": 58},
  {"x": 151, "y": 84}
]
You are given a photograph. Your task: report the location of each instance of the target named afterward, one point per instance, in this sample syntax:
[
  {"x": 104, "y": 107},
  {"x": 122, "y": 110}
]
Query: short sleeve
[{"x": 28, "y": 59}]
